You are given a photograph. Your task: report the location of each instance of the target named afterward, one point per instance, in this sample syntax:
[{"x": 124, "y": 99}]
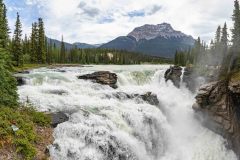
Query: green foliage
[
  {"x": 25, "y": 138},
  {"x": 8, "y": 93},
  {"x": 17, "y": 43}
]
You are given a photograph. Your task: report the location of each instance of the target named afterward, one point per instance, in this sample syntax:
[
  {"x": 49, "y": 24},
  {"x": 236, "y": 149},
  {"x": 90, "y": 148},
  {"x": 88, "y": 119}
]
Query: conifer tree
[
  {"x": 17, "y": 45},
  {"x": 224, "y": 39},
  {"x": 62, "y": 52},
  {"x": 34, "y": 43},
  {"x": 41, "y": 42},
  {"x": 4, "y": 30}
]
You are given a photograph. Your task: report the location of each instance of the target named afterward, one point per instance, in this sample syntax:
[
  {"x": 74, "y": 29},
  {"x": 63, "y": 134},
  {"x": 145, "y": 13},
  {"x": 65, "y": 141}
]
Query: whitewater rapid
[{"x": 104, "y": 127}]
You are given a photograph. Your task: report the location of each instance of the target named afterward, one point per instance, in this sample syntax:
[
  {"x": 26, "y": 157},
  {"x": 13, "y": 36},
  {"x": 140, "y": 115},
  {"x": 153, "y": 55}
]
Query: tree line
[
  {"x": 223, "y": 53},
  {"x": 38, "y": 49}
]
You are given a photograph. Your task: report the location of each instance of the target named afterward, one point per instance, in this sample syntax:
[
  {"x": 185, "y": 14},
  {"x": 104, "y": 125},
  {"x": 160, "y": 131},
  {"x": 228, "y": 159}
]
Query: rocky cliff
[{"x": 219, "y": 106}]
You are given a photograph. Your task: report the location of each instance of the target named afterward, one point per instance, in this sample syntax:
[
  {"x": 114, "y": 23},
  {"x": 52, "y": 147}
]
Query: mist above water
[{"x": 104, "y": 127}]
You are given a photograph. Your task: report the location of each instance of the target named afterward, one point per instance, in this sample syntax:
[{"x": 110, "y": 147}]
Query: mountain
[
  {"x": 84, "y": 45},
  {"x": 157, "y": 40},
  {"x": 69, "y": 46}
]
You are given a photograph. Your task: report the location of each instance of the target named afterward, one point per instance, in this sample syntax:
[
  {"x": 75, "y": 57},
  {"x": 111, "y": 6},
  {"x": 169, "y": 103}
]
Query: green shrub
[
  {"x": 8, "y": 87},
  {"x": 25, "y": 138}
]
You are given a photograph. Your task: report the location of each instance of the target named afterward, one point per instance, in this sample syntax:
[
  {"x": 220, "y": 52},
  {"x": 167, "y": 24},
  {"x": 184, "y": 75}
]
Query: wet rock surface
[
  {"x": 102, "y": 77},
  {"x": 148, "y": 97},
  {"x": 20, "y": 80},
  {"x": 218, "y": 104},
  {"x": 58, "y": 118},
  {"x": 174, "y": 74}
]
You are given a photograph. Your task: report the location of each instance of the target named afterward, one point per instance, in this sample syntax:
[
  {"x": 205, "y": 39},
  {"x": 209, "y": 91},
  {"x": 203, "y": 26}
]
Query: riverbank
[{"x": 25, "y": 133}]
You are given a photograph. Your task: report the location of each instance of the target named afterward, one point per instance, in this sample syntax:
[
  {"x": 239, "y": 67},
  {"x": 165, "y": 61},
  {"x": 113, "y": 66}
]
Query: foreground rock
[
  {"x": 20, "y": 80},
  {"x": 102, "y": 77},
  {"x": 148, "y": 97},
  {"x": 219, "y": 105},
  {"x": 174, "y": 74},
  {"x": 58, "y": 118}
]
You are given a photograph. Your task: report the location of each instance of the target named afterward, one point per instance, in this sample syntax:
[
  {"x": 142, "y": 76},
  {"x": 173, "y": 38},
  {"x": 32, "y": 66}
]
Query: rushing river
[{"x": 104, "y": 126}]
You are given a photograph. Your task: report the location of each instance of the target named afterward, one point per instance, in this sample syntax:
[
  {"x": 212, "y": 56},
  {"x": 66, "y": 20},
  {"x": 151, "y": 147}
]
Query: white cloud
[{"x": 98, "y": 21}]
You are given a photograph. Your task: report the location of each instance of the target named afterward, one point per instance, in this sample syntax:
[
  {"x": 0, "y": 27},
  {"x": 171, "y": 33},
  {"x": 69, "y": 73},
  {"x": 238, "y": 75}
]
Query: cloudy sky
[{"x": 98, "y": 21}]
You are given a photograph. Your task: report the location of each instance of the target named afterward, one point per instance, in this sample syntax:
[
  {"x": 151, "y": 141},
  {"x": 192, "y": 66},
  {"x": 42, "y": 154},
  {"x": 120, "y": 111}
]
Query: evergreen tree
[
  {"x": 17, "y": 45},
  {"x": 41, "y": 42},
  {"x": 34, "y": 43},
  {"x": 62, "y": 52},
  {"x": 4, "y": 30},
  {"x": 224, "y": 39},
  {"x": 218, "y": 35}
]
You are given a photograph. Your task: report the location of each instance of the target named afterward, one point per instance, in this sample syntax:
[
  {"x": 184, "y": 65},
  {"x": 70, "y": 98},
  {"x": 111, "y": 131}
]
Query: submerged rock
[
  {"x": 218, "y": 104},
  {"x": 58, "y": 118},
  {"x": 102, "y": 77},
  {"x": 148, "y": 97},
  {"x": 174, "y": 74},
  {"x": 20, "y": 80}
]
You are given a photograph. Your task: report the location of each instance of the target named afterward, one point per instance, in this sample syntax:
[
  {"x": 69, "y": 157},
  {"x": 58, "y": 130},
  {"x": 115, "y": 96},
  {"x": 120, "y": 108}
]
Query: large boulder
[
  {"x": 58, "y": 118},
  {"x": 20, "y": 80},
  {"x": 102, "y": 77},
  {"x": 174, "y": 74},
  {"x": 217, "y": 105}
]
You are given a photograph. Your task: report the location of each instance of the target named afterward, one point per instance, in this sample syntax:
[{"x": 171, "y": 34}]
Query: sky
[{"x": 99, "y": 21}]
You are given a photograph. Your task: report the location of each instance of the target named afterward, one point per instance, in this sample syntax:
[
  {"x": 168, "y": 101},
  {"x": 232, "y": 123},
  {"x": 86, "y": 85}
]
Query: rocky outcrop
[
  {"x": 20, "y": 80},
  {"x": 219, "y": 106},
  {"x": 148, "y": 97},
  {"x": 189, "y": 78},
  {"x": 102, "y": 77},
  {"x": 174, "y": 74},
  {"x": 58, "y": 118}
]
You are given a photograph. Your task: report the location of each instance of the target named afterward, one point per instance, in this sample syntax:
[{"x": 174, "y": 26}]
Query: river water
[{"x": 104, "y": 126}]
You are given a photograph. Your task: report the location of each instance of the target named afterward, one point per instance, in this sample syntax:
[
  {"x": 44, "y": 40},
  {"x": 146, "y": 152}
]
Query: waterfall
[{"x": 103, "y": 126}]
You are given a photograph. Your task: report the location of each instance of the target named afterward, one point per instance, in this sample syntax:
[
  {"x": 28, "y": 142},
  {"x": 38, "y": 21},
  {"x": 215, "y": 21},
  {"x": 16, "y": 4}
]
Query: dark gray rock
[
  {"x": 58, "y": 118},
  {"x": 20, "y": 80},
  {"x": 102, "y": 77},
  {"x": 24, "y": 72},
  {"x": 174, "y": 74},
  {"x": 148, "y": 97}
]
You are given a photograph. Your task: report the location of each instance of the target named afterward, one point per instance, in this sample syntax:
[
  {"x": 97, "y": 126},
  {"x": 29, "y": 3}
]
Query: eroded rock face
[
  {"x": 174, "y": 74},
  {"x": 219, "y": 106},
  {"x": 102, "y": 77}
]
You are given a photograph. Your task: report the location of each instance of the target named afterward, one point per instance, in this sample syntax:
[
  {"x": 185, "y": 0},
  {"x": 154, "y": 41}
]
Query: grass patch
[
  {"x": 25, "y": 138},
  {"x": 28, "y": 66}
]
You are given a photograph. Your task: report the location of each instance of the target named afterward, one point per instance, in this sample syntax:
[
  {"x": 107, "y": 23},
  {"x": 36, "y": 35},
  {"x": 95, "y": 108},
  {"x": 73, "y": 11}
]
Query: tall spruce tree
[
  {"x": 224, "y": 39},
  {"x": 235, "y": 37},
  {"x": 41, "y": 42},
  {"x": 62, "y": 52},
  {"x": 17, "y": 45},
  {"x": 34, "y": 43},
  {"x": 4, "y": 30}
]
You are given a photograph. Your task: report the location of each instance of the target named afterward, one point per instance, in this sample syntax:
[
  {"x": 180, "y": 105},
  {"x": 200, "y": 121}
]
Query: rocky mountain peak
[{"x": 148, "y": 32}]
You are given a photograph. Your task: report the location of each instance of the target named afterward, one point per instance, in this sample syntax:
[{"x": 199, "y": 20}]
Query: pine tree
[
  {"x": 17, "y": 45},
  {"x": 34, "y": 43},
  {"x": 236, "y": 26},
  {"x": 41, "y": 42},
  {"x": 62, "y": 52},
  {"x": 218, "y": 35},
  {"x": 4, "y": 30},
  {"x": 224, "y": 39}
]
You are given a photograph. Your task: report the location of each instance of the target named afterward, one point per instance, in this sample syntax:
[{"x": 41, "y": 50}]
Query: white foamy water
[{"x": 104, "y": 127}]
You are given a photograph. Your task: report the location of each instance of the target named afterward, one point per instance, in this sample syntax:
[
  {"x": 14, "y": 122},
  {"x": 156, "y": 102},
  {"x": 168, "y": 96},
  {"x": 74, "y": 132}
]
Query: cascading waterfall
[{"x": 103, "y": 126}]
